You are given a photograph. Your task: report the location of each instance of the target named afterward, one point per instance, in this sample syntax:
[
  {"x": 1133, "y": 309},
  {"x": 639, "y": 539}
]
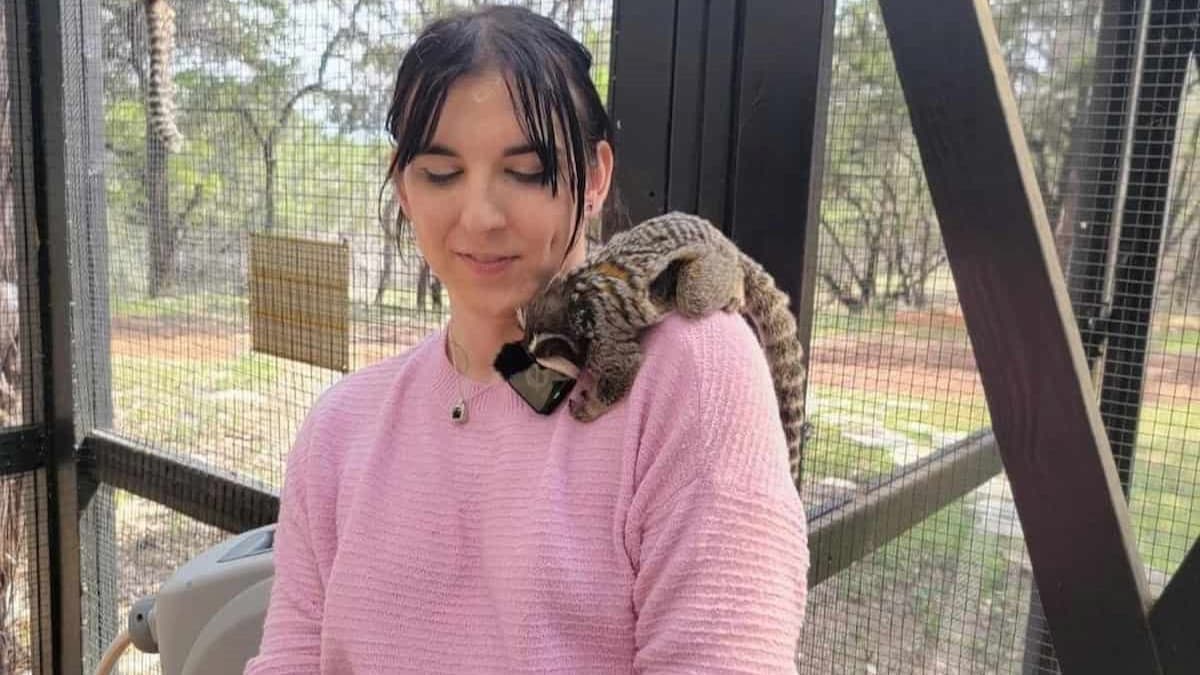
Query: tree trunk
[
  {"x": 160, "y": 233},
  {"x": 269, "y": 162},
  {"x": 389, "y": 224}
]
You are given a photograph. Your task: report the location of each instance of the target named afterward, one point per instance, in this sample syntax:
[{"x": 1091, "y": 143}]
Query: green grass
[
  {"x": 940, "y": 572},
  {"x": 179, "y": 306},
  {"x": 398, "y": 302},
  {"x": 1178, "y": 341},
  {"x": 839, "y": 414},
  {"x": 945, "y": 558},
  {"x": 1165, "y": 500},
  {"x": 225, "y": 308},
  {"x": 205, "y": 408},
  {"x": 832, "y": 324},
  {"x": 831, "y": 455},
  {"x": 1165, "y": 497}
]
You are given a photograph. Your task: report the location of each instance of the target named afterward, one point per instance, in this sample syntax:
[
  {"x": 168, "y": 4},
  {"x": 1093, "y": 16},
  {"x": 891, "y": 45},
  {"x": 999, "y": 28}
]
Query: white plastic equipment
[{"x": 208, "y": 617}]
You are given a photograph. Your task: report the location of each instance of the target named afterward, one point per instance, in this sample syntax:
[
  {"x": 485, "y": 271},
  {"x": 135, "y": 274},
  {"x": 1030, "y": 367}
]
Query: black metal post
[
  {"x": 721, "y": 109},
  {"x": 1123, "y": 206},
  {"x": 1129, "y": 296},
  {"x": 1173, "y": 618},
  {"x": 643, "y": 46},
  {"x": 1141, "y": 64},
  {"x": 779, "y": 128},
  {"x": 48, "y": 23}
]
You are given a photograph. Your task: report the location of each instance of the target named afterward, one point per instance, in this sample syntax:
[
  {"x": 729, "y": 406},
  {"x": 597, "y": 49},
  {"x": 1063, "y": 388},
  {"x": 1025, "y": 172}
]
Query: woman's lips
[{"x": 487, "y": 265}]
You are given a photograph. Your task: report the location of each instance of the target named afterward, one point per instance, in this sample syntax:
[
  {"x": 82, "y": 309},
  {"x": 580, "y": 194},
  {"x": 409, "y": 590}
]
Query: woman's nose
[{"x": 481, "y": 210}]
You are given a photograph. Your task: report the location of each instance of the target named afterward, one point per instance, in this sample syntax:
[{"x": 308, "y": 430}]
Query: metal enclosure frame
[{"x": 683, "y": 108}]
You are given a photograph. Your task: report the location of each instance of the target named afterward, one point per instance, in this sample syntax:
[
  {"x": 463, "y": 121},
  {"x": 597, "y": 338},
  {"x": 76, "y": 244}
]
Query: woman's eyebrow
[
  {"x": 440, "y": 150},
  {"x": 522, "y": 149}
]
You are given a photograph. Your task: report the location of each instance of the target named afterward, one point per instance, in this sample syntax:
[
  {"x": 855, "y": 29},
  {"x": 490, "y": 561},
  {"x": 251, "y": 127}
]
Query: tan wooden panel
[{"x": 300, "y": 300}]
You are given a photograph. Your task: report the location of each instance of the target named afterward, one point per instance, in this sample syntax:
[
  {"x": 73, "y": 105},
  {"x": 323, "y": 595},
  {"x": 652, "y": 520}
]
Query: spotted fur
[
  {"x": 674, "y": 262},
  {"x": 160, "y": 94}
]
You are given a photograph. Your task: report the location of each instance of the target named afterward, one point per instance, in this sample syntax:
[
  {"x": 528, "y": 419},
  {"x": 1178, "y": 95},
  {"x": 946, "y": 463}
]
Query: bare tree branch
[{"x": 249, "y": 117}]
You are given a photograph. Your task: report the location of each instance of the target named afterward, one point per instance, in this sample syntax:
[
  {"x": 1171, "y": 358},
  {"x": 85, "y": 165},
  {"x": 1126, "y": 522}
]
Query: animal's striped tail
[
  {"x": 769, "y": 309},
  {"x": 160, "y": 92}
]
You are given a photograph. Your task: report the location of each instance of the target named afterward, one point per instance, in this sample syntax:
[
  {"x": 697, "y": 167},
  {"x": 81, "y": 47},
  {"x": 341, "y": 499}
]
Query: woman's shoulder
[
  {"x": 693, "y": 367},
  {"x": 718, "y": 345},
  {"x": 704, "y": 407}
]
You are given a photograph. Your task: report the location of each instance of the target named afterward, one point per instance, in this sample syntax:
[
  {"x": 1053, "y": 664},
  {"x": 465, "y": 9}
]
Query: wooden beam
[
  {"x": 1030, "y": 357},
  {"x": 845, "y": 531},
  {"x": 1173, "y": 618},
  {"x": 201, "y": 492}
]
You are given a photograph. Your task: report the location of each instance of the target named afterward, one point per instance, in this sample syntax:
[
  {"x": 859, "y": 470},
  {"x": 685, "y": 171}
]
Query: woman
[{"x": 431, "y": 522}]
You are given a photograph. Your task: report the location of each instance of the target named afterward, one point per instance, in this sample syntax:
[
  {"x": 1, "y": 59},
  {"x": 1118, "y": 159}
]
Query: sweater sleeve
[
  {"x": 292, "y": 631},
  {"x": 722, "y": 553}
]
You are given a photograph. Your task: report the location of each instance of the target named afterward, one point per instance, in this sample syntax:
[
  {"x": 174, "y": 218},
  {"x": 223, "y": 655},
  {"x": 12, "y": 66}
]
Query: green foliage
[
  {"x": 1165, "y": 496},
  {"x": 877, "y": 220},
  {"x": 281, "y": 105},
  {"x": 210, "y": 306}
]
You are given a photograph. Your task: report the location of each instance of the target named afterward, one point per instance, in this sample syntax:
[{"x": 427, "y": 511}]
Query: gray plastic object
[
  {"x": 208, "y": 617},
  {"x": 141, "y": 626}
]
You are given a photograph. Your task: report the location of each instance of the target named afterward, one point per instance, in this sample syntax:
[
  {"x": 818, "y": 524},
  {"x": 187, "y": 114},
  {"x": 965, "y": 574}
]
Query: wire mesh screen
[
  {"x": 1144, "y": 291},
  {"x": 281, "y": 113},
  {"x": 276, "y": 152},
  {"x": 148, "y": 543},
  {"x": 274, "y": 130},
  {"x": 23, "y": 613},
  {"x": 893, "y": 375}
]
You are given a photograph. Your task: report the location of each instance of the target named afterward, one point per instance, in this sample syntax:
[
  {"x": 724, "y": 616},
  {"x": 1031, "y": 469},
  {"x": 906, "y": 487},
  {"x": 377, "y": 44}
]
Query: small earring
[{"x": 589, "y": 207}]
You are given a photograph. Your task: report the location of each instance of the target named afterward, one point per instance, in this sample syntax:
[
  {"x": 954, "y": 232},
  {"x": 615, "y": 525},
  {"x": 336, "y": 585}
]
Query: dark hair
[{"x": 547, "y": 79}]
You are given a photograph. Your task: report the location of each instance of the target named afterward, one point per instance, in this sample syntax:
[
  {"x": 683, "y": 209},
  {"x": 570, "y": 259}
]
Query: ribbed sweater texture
[{"x": 664, "y": 537}]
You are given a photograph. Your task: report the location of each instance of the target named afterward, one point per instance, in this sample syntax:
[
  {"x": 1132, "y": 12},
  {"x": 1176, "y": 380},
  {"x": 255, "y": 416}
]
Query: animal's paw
[{"x": 586, "y": 408}]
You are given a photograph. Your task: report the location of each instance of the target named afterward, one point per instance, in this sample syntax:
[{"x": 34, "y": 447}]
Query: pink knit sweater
[{"x": 665, "y": 537}]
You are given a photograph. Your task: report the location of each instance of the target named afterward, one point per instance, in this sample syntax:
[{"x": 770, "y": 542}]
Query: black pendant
[{"x": 458, "y": 414}]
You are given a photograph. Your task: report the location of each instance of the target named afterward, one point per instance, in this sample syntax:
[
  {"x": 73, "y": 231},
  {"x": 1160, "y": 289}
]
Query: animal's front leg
[{"x": 614, "y": 365}]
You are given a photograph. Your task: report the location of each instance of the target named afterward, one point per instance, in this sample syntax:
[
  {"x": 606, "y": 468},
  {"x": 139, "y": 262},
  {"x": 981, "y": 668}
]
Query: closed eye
[
  {"x": 536, "y": 177},
  {"x": 440, "y": 178}
]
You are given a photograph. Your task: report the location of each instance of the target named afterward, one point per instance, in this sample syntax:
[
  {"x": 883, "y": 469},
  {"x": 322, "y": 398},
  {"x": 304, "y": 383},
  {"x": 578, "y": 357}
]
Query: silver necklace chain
[{"x": 458, "y": 412}]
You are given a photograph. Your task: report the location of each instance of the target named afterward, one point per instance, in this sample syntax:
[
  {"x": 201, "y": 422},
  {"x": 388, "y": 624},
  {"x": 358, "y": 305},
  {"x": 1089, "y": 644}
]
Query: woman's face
[{"x": 482, "y": 219}]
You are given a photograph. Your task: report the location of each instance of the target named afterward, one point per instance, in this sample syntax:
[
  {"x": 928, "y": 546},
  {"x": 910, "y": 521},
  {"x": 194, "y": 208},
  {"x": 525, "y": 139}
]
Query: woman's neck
[{"x": 474, "y": 340}]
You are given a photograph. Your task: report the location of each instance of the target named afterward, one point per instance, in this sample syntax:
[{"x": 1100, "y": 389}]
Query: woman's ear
[{"x": 600, "y": 176}]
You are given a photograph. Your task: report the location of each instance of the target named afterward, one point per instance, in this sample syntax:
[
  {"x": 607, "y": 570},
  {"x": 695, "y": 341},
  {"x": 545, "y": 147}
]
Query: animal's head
[{"x": 556, "y": 323}]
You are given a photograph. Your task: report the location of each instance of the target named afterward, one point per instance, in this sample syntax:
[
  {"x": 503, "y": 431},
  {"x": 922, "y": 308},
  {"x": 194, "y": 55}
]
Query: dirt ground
[{"x": 907, "y": 365}]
